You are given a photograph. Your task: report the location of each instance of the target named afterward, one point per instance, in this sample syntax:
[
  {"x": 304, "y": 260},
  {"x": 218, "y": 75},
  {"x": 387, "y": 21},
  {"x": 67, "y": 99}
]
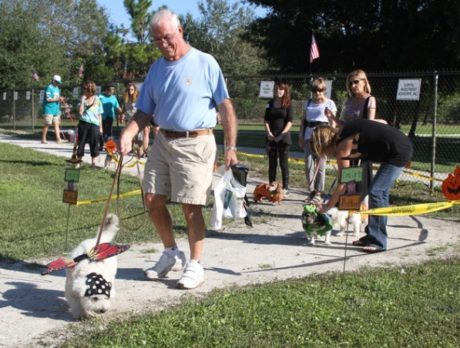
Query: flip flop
[{"x": 370, "y": 249}]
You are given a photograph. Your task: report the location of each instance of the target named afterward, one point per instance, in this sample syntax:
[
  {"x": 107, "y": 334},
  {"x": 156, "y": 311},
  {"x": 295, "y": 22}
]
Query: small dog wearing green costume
[{"x": 316, "y": 224}]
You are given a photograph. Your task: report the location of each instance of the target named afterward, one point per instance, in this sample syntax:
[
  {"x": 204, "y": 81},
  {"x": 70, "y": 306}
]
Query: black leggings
[
  {"x": 88, "y": 133},
  {"x": 107, "y": 126},
  {"x": 278, "y": 150}
]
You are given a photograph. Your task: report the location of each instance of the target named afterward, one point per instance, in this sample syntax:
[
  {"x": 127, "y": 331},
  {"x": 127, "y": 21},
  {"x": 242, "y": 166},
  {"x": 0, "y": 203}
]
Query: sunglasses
[
  {"x": 319, "y": 90},
  {"x": 354, "y": 82}
]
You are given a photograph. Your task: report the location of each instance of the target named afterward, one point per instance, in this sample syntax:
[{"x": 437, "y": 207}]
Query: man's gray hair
[{"x": 164, "y": 14}]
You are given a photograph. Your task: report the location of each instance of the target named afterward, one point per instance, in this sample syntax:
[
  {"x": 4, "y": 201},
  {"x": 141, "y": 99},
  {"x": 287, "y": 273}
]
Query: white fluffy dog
[
  {"x": 341, "y": 219},
  {"x": 90, "y": 284}
]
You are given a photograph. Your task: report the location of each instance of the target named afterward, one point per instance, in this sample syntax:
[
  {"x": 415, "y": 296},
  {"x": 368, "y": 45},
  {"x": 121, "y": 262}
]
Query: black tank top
[{"x": 378, "y": 142}]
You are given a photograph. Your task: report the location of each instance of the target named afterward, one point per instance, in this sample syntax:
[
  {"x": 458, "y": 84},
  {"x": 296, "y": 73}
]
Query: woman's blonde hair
[
  {"x": 318, "y": 84},
  {"x": 360, "y": 75},
  {"x": 323, "y": 141},
  {"x": 131, "y": 98}
]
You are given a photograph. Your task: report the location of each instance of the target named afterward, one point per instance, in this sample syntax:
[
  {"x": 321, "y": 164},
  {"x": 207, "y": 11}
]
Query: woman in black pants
[{"x": 278, "y": 120}]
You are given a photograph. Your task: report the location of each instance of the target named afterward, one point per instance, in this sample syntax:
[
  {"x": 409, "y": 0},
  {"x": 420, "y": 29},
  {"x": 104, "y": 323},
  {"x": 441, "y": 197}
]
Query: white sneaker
[
  {"x": 165, "y": 264},
  {"x": 286, "y": 192},
  {"x": 192, "y": 277},
  {"x": 180, "y": 262}
]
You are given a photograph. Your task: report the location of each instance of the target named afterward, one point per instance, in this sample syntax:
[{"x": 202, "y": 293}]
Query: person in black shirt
[
  {"x": 371, "y": 141},
  {"x": 278, "y": 121}
]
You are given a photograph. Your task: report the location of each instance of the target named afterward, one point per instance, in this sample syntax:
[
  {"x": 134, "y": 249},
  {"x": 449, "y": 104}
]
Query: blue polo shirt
[{"x": 184, "y": 94}]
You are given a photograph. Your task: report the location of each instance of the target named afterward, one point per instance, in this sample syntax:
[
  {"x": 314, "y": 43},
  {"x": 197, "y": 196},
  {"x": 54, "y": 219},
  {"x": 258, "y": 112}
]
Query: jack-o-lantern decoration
[{"x": 451, "y": 185}]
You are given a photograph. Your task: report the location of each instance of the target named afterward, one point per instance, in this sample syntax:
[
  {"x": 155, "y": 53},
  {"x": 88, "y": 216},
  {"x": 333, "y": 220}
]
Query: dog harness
[{"x": 97, "y": 285}]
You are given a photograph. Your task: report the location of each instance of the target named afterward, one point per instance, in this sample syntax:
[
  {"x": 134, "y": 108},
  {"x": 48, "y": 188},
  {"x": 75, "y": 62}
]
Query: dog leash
[
  {"x": 109, "y": 199},
  {"x": 141, "y": 190}
]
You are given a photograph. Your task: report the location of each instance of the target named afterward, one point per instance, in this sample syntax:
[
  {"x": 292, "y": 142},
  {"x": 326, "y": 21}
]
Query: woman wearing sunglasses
[
  {"x": 360, "y": 102},
  {"x": 360, "y": 105},
  {"x": 315, "y": 113}
]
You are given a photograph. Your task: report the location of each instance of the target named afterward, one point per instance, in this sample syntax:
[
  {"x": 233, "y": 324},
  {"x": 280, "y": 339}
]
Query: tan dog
[{"x": 271, "y": 192}]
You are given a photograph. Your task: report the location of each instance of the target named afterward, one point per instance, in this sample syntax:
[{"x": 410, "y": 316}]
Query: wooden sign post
[{"x": 70, "y": 195}]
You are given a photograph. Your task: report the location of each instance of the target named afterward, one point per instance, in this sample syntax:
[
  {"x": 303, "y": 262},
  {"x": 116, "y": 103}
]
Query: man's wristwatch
[{"x": 230, "y": 148}]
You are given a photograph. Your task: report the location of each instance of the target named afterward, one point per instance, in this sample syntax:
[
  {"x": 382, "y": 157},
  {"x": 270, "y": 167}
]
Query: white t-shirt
[{"x": 316, "y": 113}]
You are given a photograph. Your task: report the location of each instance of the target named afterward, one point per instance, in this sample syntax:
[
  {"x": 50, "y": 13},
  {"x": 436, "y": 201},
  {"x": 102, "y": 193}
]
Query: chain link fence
[
  {"x": 431, "y": 119},
  {"x": 424, "y": 105}
]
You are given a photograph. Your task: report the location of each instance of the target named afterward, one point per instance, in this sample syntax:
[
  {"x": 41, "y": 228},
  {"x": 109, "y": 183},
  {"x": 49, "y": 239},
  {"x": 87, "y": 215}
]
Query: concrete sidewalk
[{"x": 274, "y": 249}]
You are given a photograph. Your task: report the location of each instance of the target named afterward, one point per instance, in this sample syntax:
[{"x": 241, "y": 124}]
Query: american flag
[
  {"x": 35, "y": 76},
  {"x": 314, "y": 51}
]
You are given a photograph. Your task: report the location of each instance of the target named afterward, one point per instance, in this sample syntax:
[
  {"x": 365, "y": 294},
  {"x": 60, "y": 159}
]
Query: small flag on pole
[
  {"x": 314, "y": 51},
  {"x": 35, "y": 76},
  {"x": 81, "y": 71}
]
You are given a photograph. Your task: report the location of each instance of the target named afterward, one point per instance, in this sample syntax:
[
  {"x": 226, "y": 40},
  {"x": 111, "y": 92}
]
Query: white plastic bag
[{"x": 228, "y": 200}]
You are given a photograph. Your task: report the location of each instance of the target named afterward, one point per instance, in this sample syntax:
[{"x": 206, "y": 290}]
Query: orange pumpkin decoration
[
  {"x": 451, "y": 185},
  {"x": 111, "y": 146}
]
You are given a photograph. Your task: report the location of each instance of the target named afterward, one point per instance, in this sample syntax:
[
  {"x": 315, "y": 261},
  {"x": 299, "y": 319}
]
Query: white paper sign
[
  {"x": 76, "y": 92},
  {"x": 4, "y": 95},
  {"x": 98, "y": 89},
  {"x": 27, "y": 95},
  {"x": 15, "y": 95},
  {"x": 409, "y": 89},
  {"x": 42, "y": 97},
  {"x": 328, "y": 88},
  {"x": 266, "y": 89}
]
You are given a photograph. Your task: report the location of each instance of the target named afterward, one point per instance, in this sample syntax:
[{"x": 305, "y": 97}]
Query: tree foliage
[
  {"x": 371, "y": 34},
  {"x": 220, "y": 31},
  {"x": 48, "y": 37}
]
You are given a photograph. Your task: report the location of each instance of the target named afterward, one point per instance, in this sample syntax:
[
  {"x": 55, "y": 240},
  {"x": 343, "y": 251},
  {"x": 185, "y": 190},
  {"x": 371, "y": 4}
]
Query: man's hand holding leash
[{"x": 138, "y": 122}]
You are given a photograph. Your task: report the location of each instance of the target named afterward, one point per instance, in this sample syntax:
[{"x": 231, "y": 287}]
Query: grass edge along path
[{"x": 410, "y": 306}]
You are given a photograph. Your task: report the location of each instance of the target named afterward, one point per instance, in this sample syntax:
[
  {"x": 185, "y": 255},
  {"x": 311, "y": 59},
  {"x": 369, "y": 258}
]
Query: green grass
[
  {"x": 33, "y": 219},
  {"x": 409, "y": 306},
  {"x": 417, "y": 307}
]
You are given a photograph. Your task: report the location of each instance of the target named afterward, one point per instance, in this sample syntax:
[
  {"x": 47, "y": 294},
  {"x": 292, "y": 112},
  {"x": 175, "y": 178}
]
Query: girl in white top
[{"x": 315, "y": 113}]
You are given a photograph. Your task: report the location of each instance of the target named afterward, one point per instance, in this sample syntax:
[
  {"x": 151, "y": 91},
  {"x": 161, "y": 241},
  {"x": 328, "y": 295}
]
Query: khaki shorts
[
  {"x": 181, "y": 169},
  {"x": 51, "y": 119}
]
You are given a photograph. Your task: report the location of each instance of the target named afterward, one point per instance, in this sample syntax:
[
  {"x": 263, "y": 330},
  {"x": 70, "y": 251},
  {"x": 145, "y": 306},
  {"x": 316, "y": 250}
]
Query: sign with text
[
  {"x": 4, "y": 95},
  {"x": 266, "y": 89},
  {"x": 72, "y": 175},
  {"x": 350, "y": 202},
  {"x": 409, "y": 89},
  {"x": 42, "y": 96},
  {"x": 15, "y": 95},
  {"x": 27, "y": 95},
  {"x": 76, "y": 92},
  {"x": 70, "y": 197},
  {"x": 351, "y": 174}
]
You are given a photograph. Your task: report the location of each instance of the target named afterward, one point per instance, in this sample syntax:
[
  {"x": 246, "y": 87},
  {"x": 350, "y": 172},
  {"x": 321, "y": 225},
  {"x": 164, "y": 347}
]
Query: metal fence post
[
  {"x": 433, "y": 133},
  {"x": 33, "y": 111}
]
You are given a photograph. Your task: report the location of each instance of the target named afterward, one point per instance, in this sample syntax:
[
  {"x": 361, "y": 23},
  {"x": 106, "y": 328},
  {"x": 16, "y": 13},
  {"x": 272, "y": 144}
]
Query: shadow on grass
[{"x": 31, "y": 163}]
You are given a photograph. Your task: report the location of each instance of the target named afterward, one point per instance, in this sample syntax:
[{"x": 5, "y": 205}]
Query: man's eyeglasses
[
  {"x": 354, "y": 82},
  {"x": 167, "y": 38}
]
